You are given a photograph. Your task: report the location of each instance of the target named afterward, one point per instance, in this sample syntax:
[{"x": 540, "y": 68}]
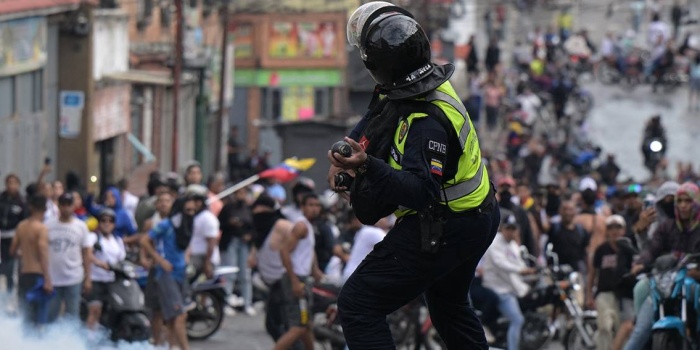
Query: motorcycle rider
[
  {"x": 680, "y": 236},
  {"x": 503, "y": 270},
  {"x": 108, "y": 250},
  {"x": 654, "y": 130},
  {"x": 416, "y": 153}
]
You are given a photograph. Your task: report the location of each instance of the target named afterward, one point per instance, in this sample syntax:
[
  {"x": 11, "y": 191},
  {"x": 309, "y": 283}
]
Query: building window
[
  {"x": 7, "y": 97},
  {"x": 323, "y": 101},
  {"x": 22, "y": 94},
  {"x": 271, "y": 103}
]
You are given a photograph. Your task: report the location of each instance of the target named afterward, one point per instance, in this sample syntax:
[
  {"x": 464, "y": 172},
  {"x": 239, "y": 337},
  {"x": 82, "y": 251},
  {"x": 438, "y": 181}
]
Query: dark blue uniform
[{"x": 397, "y": 271}]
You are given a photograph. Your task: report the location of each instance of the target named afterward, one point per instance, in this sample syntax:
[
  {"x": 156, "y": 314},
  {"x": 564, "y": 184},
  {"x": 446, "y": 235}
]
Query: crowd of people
[{"x": 59, "y": 243}]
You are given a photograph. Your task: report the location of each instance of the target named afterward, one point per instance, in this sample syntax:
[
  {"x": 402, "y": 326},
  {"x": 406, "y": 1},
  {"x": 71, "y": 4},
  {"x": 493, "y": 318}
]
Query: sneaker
[
  {"x": 189, "y": 305},
  {"x": 235, "y": 301},
  {"x": 250, "y": 311}
]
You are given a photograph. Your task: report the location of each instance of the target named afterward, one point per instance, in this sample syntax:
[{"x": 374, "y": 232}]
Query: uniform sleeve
[{"x": 423, "y": 162}]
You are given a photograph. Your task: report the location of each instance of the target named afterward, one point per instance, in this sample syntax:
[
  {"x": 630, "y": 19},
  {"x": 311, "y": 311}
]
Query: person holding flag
[{"x": 416, "y": 154}]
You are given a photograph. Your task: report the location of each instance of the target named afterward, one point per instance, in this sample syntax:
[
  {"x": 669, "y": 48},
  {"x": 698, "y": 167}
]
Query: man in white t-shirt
[
  {"x": 365, "y": 239},
  {"x": 69, "y": 259},
  {"x": 108, "y": 250},
  {"x": 204, "y": 246}
]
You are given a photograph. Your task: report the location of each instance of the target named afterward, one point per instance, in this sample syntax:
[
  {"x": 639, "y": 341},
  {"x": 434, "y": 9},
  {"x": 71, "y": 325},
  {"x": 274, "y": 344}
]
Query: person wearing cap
[
  {"x": 31, "y": 239},
  {"x": 204, "y": 245},
  {"x": 679, "y": 236},
  {"x": 70, "y": 259},
  {"x": 609, "y": 277},
  {"x": 108, "y": 250},
  {"x": 503, "y": 270},
  {"x": 125, "y": 226},
  {"x": 507, "y": 200},
  {"x": 415, "y": 153}
]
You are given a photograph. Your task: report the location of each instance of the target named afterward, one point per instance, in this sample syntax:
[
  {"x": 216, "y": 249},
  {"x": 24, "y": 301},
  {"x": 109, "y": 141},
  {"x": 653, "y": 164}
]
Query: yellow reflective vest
[{"x": 470, "y": 185}]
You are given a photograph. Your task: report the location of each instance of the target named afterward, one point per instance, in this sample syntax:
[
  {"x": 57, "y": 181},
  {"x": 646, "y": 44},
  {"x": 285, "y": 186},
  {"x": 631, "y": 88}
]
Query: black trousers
[
  {"x": 396, "y": 272},
  {"x": 7, "y": 266}
]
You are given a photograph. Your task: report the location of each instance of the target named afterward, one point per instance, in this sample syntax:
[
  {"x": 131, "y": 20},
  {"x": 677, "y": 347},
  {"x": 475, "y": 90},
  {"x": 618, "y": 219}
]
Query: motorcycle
[
  {"x": 206, "y": 317},
  {"x": 123, "y": 310},
  {"x": 630, "y": 70},
  {"x": 672, "y": 293},
  {"x": 557, "y": 288},
  {"x": 654, "y": 151}
]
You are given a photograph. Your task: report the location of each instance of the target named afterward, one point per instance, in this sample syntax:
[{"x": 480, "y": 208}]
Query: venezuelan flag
[{"x": 289, "y": 169}]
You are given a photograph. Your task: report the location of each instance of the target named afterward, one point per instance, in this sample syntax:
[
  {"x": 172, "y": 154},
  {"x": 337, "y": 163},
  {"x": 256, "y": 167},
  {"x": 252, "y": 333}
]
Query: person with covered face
[
  {"x": 415, "y": 153},
  {"x": 680, "y": 236}
]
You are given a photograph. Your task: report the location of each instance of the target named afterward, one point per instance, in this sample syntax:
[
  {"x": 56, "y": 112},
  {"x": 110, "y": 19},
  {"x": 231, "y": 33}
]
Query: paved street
[{"x": 617, "y": 123}]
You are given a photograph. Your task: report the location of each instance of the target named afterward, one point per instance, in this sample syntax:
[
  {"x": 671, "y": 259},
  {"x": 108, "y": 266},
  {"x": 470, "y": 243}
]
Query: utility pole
[
  {"x": 222, "y": 82},
  {"x": 177, "y": 72}
]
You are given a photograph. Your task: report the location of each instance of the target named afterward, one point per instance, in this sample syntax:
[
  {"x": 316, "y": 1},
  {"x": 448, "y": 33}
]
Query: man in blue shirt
[{"x": 172, "y": 235}]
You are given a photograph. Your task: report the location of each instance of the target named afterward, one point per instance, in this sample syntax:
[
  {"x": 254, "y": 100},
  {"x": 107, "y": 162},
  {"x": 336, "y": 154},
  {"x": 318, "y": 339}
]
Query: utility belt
[{"x": 433, "y": 219}]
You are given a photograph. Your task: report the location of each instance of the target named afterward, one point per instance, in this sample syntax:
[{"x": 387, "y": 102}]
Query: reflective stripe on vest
[
  {"x": 463, "y": 192},
  {"x": 436, "y": 95},
  {"x": 463, "y": 188}
]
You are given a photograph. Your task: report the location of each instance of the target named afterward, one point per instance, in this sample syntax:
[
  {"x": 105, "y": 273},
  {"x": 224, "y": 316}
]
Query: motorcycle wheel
[
  {"x": 666, "y": 339},
  {"x": 209, "y": 312},
  {"x": 573, "y": 339},
  {"x": 133, "y": 327}
]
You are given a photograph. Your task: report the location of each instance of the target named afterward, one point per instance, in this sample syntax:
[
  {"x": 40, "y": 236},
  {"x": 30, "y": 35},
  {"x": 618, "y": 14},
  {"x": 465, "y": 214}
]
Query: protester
[
  {"x": 237, "y": 233},
  {"x": 299, "y": 261},
  {"x": 174, "y": 234},
  {"x": 12, "y": 212},
  {"x": 108, "y": 250},
  {"x": 31, "y": 242},
  {"x": 612, "y": 261},
  {"x": 69, "y": 259}
]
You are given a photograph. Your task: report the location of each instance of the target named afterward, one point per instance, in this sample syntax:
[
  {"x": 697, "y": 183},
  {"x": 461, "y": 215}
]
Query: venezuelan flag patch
[{"x": 436, "y": 167}]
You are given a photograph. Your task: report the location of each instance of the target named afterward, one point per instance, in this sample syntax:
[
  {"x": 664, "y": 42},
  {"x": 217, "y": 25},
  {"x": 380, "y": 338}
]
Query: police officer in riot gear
[{"x": 416, "y": 154}]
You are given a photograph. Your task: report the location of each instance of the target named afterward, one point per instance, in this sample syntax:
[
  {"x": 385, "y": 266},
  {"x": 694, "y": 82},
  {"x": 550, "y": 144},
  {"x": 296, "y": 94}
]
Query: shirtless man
[
  {"x": 592, "y": 222},
  {"x": 32, "y": 242}
]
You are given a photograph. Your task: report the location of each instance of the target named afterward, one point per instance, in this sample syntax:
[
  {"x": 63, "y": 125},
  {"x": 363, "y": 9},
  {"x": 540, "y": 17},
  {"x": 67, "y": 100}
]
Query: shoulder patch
[
  {"x": 403, "y": 130},
  {"x": 436, "y": 147},
  {"x": 364, "y": 143}
]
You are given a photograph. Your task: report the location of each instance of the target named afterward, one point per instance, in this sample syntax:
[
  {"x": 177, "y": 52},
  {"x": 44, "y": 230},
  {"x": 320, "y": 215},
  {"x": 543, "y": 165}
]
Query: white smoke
[{"x": 57, "y": 336}]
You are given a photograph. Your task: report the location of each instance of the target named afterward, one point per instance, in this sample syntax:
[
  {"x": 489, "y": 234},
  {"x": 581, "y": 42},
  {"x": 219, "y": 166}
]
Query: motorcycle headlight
[
  {"x": 575, "y": 280},
  {"x": 656, "y": 146},
  {"x": 664, "y": 284}
]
